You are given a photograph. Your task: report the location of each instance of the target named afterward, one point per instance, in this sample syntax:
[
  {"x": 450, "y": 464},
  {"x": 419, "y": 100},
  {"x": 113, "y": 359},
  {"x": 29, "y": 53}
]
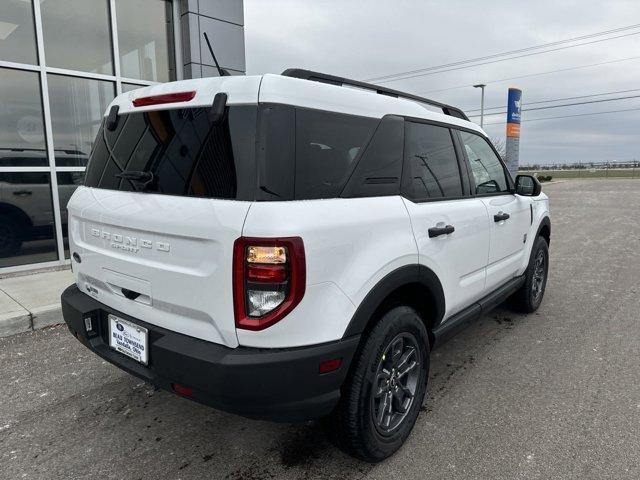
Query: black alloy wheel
[{"x": 395, "y": 384}]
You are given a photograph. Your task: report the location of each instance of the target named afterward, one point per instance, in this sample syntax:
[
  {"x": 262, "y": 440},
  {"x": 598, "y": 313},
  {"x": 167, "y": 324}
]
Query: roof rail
[{"x": 334, "y": 80}]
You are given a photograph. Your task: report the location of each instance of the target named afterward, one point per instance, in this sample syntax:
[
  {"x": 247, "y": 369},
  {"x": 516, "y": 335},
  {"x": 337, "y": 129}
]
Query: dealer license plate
[{"x": 128, "y": 338}]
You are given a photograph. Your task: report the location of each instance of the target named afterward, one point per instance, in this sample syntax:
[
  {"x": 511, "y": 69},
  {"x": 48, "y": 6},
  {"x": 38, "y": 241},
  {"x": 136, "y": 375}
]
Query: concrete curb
[
  {"x": 12, "y": 324},
  {"x": 32, "y": 301},
  {"x": 41, "y": 317}
]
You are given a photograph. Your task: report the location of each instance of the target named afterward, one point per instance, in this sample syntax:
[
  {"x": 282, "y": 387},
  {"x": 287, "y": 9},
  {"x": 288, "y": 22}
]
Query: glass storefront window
[
  {"x": 77, "y": 107},
  {"x": 27, "y": 233},
  {"x": 17, "y": 33},
  {"x": 21, "y": 126},
  {"x": 67, "y": 184},
  {"x": 145, "y": 39},
  {"x": 127, "y": 87},
  {"x": 77, "y": 35},
  {"x": 78, "y": 44}
]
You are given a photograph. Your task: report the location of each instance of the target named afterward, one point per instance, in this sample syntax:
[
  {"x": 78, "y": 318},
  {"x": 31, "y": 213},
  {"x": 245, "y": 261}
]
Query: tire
[
  {"x": 11, "y": 235},
  {"x": 361, "y": 426},
  {"x": 529, "y": 297}
]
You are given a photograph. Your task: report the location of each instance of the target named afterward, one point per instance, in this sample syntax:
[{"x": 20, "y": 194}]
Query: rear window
[
  {"x": 184, "y": 150},
  {"x": 280, "y": 153}
]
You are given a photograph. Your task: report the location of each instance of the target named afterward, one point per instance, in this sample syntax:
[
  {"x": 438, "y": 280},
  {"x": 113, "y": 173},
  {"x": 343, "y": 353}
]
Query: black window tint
[
  {"x": 276, "y": 154},
  {"x": 327, "y": 145},
  {"x": 187, "y": 153},
  {"x": 430, "y": 161},
  {"x": 487, "y": 169},
  {"x": 379, "y": 169}
]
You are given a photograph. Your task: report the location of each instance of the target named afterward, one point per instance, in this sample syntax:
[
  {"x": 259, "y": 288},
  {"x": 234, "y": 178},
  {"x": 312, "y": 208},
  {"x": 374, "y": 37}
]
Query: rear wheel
[
  {"x": 385, "y": 389},
  {"x": 529, "y": 297},
  {"x": 10, "y": 236}
]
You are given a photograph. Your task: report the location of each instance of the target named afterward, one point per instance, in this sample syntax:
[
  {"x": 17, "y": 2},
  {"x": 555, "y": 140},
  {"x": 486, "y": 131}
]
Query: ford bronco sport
[{"x": 291, "y": 247}]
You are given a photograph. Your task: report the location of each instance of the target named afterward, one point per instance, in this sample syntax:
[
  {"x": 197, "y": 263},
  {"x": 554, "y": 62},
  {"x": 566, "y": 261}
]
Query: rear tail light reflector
[
  {"x": 182, "y": 390},
  {"x": 330, "y": 365}
]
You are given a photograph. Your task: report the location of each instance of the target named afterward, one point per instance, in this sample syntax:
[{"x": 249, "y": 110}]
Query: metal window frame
[{"x": 43, "y": 71}]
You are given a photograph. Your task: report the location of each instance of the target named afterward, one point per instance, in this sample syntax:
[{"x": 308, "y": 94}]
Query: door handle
[
  {"x": 22, "y": 192},
  {"x": 500, "y": 216},
  {"x": 437, "y": 231}
]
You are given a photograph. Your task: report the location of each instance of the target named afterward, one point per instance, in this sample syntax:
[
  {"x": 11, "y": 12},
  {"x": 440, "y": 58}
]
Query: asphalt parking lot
[{"x": 555, "y": 394}]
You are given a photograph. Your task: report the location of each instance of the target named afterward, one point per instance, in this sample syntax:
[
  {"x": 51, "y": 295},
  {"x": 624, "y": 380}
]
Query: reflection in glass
[
  {"x": 26, "y": 219},
  {"x": 77, "y": 108},
  {"x": 187, "y": 152},
  {"x": 127, "y": 87},
  {"x": 488, "y": 172},
  {"x": 145, "y": 38},
  {"x": 21, "y": 126},
  {"x": 17, "y": 37},
  {"x": 77, "y": 35},
  {"x": 67, "y": 184}
]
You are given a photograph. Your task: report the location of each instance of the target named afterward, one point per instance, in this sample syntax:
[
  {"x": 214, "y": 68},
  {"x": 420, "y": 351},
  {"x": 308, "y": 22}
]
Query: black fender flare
[
  {"x": 545, "y": 222},
  {"x": 405, "y": 275}
]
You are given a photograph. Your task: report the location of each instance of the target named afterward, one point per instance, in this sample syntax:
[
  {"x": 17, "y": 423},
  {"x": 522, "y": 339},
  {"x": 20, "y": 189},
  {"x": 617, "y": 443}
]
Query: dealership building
[{"x": 61, "y": 64}]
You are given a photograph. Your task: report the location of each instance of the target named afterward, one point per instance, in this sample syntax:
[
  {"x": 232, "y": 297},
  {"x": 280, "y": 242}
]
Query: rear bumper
[{"x": 270, "y": 384}]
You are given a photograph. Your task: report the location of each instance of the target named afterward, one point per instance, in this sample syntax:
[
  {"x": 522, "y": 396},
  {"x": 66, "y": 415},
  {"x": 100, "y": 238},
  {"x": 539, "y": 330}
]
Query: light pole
[{"x": 481, "y": 86}]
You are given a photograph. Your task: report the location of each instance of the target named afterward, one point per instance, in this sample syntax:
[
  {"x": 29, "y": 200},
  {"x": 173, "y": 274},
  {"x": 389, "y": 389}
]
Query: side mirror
[{"x": 528, "y": 186}]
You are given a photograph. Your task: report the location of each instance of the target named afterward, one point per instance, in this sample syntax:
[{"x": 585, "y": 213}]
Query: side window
[
  {"x": 327, "y": 145},
  {"x": 431, "y": 164},
  {"x": 379, "y": 169},
  {"x": 487, "y": 169}
]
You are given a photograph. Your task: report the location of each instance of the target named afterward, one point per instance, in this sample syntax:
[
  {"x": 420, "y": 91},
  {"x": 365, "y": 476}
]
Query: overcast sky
[{"x": 365, "y": 39}]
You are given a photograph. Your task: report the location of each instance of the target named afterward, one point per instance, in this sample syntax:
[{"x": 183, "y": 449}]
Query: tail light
[{"x": 269, "y": 276}]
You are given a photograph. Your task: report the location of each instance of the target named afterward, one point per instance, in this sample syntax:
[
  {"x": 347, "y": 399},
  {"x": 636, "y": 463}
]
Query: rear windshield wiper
[{"x": 140, "y": 179}]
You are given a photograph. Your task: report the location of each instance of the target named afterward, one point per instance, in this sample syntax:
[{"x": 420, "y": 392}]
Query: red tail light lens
[
  {"x": 267, "y": 273},
  {"x": 269, "y": 276},
  {"x": 164, "y": 98}
]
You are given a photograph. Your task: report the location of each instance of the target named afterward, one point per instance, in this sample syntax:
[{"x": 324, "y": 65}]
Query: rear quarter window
[{"x": 327, "y": 148}]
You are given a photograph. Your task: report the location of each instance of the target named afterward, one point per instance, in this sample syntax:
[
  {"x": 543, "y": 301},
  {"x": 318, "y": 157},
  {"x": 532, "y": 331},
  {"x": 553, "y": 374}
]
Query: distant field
[{"x": 589, "y": 173}]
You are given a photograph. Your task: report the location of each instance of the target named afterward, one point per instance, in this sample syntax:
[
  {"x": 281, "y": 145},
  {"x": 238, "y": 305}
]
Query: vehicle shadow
[
  {"x": 261, "y": 450},
  {"x": 164, "y": 436}
]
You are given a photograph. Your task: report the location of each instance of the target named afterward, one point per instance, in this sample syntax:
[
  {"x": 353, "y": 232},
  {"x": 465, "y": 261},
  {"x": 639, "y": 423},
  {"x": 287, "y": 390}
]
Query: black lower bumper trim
[{"x": 270, "y": 384}]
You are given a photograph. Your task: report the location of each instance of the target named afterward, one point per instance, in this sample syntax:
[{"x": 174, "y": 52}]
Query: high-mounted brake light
[
  {"x": 269, "y": 276},
  {"x": 164, "y": 98}
]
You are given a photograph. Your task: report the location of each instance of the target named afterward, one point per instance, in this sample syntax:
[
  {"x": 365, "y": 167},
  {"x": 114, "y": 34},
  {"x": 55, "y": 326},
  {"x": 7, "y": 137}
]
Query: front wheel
[
  {"x": 385, "y": 389},
  {"x": 529, "y": 297}
]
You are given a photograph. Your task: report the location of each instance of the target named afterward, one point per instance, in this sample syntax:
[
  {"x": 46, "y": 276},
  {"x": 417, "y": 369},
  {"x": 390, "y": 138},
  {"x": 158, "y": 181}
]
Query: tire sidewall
[
  {"x": 395, "y": 321},
  {"x": 540, "y": 245}
]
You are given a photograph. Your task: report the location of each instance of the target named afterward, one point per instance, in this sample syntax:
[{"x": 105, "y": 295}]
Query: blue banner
[{"x": 513, "y": 105}]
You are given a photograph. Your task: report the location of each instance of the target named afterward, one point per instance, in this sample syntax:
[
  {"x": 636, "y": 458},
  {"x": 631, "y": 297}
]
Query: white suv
[{"x": 293, "y": 246}]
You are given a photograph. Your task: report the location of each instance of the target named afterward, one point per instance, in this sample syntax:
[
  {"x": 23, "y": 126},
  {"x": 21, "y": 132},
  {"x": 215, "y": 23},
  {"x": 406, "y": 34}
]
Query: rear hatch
[{"x": 166, "y": 193}]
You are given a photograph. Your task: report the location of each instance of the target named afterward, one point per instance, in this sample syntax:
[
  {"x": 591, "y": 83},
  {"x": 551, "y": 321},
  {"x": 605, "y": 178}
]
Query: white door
[
  {"x": 508, "y": 214},
  {"x": 451, "y": 229}
]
